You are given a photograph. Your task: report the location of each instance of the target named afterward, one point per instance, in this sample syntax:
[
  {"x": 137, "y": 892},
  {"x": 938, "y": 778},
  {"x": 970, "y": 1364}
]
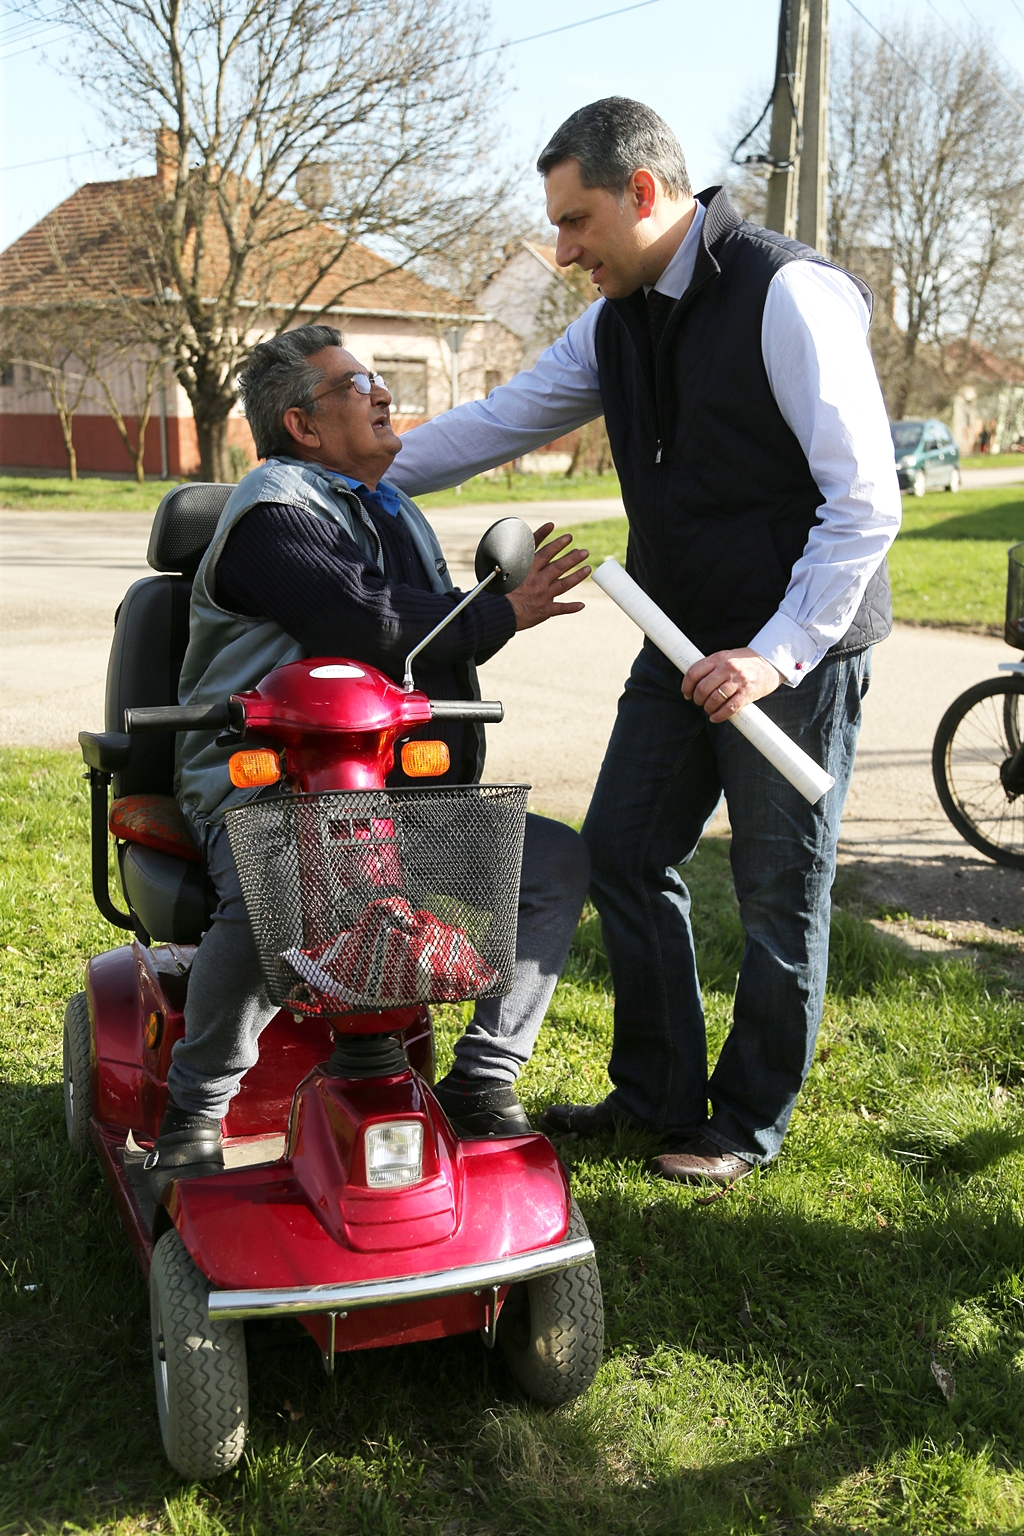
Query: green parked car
[{"x": 927, "y": 459}]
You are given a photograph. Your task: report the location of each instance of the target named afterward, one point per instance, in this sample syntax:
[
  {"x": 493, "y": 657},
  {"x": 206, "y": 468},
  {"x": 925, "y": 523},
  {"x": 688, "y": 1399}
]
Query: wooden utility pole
[
  {"x": 787, "y": 116},
  {"x": 811, "y": 224}
]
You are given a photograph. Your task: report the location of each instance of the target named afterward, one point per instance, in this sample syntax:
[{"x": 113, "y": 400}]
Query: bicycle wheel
[{"x": 978, "y": 733}]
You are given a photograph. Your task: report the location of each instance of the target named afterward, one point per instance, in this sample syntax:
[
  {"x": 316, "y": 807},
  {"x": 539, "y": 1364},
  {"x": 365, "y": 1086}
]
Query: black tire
[
  {"x": 77, "y": 1079},
  {"x": 978, "y": 733},
  {"x": 202, "y": 1379},
  {"x": 551, "y": 1330}
]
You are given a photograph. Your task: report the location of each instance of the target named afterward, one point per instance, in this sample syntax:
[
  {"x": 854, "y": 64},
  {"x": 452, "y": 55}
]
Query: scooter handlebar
[
  {"x": 467, "y": 709},
  {"x": 185, "y": 717}
]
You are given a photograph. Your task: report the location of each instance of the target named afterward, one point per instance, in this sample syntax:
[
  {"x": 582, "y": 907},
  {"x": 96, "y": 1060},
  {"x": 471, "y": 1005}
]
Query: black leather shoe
[
  {"x": 700, "y": 1161},
  {"x": 582, "y": 1119},
  {"x": 188, "y": 1147},
  {"x": 481, "y": 1114}
]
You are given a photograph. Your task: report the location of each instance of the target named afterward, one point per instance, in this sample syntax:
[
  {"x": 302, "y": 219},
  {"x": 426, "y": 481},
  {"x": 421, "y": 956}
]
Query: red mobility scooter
[{"x": 346, "y": 1200}]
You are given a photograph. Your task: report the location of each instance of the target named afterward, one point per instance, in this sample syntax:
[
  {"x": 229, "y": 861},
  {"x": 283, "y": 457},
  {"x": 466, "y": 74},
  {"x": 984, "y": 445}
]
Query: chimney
[{"x": 166, "y": 159}]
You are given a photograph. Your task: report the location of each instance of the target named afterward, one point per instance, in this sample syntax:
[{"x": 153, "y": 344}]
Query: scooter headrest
[{"x": 184, "y": 525}]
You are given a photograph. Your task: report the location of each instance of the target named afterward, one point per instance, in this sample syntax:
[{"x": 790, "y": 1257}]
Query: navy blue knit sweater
[{"x": 282, "y": 563}]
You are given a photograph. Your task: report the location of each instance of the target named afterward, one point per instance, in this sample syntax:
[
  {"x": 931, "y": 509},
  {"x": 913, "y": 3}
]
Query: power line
[
  {"x": 900, "y": 56},
  {"x": 52, "y": 159},
  {"x": 994, "y": 78},
  {"x": 56, "y": 26},
  {"x": 995, "y": 45},
  {"x": 569, "y": 27}
]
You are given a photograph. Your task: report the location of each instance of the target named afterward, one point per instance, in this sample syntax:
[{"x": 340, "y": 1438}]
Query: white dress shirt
[{"x": 814, "y": 345}]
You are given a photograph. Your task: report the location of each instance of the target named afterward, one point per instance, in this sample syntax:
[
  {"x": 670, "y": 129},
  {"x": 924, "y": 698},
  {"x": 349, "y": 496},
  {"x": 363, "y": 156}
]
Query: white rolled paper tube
[{"x": 792, "y": 761}]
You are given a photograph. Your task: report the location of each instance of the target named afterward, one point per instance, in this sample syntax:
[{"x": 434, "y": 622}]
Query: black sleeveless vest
[{"x": 718, "y": 492}]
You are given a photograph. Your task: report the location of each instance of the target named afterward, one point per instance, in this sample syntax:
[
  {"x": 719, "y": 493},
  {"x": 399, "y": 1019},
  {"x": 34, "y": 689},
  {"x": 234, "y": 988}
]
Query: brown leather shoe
[
  {"x": 581, "y": 1119},
  {"x": 700, "y": 1161}
]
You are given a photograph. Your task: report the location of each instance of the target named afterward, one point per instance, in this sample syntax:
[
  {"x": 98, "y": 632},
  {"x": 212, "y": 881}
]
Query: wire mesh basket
[
  {"x": 361, "y": 900},
  {"x": 1013, "y": 630}
]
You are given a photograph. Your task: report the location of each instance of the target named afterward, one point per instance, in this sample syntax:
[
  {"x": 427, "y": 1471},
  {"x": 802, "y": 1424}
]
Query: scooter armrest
[{"x": 106, "y": 750}]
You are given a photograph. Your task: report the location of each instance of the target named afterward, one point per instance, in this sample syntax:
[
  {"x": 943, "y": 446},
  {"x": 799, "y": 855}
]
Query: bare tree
[
  {"x": 56, "y": 344},
  {"x": 926, "y": 177},
  {"x": 290, "y": 132},
  {"x": 122, "y": 365}
]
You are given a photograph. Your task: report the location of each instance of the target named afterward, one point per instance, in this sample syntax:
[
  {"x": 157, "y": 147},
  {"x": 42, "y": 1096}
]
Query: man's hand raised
[{"x": 534, "y": 601}]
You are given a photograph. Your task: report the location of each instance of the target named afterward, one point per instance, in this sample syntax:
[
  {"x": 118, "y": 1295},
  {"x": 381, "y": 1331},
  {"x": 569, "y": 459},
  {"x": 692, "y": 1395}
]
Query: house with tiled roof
[{"x": 86, "y": 256}]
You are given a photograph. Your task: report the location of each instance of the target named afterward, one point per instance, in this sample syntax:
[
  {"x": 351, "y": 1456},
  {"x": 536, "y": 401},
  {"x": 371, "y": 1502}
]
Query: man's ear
[
  {"x": 299, "y": 425},
  {"x": 644, "y": 191}
]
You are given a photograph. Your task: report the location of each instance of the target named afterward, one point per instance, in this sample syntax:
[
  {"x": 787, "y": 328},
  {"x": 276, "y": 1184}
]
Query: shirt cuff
[{"x": 789, "y": 648}]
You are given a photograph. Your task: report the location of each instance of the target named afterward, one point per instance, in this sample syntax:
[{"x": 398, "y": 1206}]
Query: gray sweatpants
[{"x": 228, "y": 1008}]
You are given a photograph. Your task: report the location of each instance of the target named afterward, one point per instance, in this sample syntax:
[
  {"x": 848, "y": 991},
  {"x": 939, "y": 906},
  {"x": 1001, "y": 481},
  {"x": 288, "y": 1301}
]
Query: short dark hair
[
  {"x": 613, "y": 138},
  {"x": 278, "y": 377}
]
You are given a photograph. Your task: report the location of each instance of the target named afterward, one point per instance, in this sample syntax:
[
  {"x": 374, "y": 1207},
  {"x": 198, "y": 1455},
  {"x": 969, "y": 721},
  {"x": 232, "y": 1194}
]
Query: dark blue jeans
[{"x": 663, "y": 776}]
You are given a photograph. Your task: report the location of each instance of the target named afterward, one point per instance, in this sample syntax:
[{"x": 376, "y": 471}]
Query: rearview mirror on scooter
[
  {"x": 509, "y": 546},
  {"x": 503, "y": 559}
]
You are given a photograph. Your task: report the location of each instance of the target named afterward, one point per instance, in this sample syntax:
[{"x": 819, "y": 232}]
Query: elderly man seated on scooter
[{"x": 316, "y": 554}]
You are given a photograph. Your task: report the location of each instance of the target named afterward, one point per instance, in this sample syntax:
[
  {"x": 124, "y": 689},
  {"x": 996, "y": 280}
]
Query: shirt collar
[
  {"x": 676, "y": 277},
  {"x": 384, "y": 498}
]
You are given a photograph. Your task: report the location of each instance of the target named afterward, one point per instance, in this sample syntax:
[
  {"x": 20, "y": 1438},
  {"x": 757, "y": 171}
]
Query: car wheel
[
  {"x": 954, "y": 480},
  {"x": 919, "y": 484}
]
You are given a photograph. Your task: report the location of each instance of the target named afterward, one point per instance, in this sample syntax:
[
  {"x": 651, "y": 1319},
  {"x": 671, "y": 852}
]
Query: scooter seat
[
  {"x": 155, "y": 821},
  {"x": 167, "y": 894}
]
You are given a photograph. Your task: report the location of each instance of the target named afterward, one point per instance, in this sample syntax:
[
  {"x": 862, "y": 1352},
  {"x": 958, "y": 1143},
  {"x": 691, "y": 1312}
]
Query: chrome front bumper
[{"x": 474, "y": 1278}]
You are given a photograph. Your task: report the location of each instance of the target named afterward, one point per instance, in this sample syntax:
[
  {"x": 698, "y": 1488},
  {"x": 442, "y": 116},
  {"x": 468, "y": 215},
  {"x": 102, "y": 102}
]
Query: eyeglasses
[{"x": 362, "y": 383}]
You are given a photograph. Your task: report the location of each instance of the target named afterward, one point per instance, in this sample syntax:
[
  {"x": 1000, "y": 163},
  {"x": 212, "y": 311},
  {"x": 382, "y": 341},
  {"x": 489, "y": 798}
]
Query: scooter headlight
[{"x": 394, "y": 1154}]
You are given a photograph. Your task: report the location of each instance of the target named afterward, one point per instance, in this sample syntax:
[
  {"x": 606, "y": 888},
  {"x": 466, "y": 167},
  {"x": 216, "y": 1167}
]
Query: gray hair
[
  {"x": 279, "y": 376},
  {"x": 613, "y": 138}
]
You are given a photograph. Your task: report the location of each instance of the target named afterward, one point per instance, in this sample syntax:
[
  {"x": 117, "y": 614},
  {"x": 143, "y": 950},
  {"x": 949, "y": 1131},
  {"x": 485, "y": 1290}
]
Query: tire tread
[
  {"x": 566, "y": 1343},
  {"x": 76, "y": 1066},
  {"x": 208, "y": 1383}
]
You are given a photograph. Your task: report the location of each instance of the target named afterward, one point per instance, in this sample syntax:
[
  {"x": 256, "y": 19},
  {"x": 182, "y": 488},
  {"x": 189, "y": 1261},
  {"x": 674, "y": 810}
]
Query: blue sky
[{"x": 697, "y": 62}]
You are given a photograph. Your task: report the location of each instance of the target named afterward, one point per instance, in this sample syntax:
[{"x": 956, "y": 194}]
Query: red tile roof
[{"x": 94, "y": 246}]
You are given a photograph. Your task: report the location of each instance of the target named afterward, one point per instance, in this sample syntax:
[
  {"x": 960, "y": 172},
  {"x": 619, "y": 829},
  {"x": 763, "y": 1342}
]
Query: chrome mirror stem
[{"x": 407, "y": 682}]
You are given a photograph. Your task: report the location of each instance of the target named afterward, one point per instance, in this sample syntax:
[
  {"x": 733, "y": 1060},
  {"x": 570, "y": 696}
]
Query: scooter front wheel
[
  {"x": 551, "y": 1330},
  {"x": 77, "y": 1084},
  {"x": 202, "y": 1378}
]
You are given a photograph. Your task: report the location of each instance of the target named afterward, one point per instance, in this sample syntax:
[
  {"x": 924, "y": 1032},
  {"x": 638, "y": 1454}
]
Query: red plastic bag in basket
[{"x": 394, "y": 953}]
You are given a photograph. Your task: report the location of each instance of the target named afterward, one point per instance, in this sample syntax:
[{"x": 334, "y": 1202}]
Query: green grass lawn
[
  {"x": 47, "y": 493},
  {"x": 993, "y": 461},
  {"x": 888, "y": 1237},
  {"x": 948, "y": 565}
]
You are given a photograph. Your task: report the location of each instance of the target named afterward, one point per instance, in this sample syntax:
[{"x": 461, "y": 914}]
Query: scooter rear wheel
[
  {"x": 77, "y": 1083},
  {"x": 551, "y": 1330},
  {"x": 202, "y": 1378}
]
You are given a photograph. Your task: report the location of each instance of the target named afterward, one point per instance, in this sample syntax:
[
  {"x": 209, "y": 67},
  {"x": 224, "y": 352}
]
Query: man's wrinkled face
[
  {"x": 347, "y": 430},
  {"x": 598, "y": 230}
]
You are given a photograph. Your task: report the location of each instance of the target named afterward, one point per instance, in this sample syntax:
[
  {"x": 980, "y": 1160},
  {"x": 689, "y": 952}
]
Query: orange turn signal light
[
  {"x": 426, "y": 759},
  {"x": 251, "y": 769}
]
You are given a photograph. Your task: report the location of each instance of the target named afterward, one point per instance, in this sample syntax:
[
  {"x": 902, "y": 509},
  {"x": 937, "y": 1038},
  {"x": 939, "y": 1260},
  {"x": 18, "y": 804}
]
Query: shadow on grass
[{"x": 1003, "y": 522}]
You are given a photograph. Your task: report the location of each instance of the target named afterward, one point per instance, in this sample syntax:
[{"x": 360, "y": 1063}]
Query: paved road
[
  {"x": 63, "y": 575},
  {"x": 977, "y": 479}
]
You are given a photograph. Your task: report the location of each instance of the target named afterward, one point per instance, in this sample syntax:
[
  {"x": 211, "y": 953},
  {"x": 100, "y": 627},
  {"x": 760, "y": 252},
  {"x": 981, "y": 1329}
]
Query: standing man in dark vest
[{"x": 757, "y": 471}]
